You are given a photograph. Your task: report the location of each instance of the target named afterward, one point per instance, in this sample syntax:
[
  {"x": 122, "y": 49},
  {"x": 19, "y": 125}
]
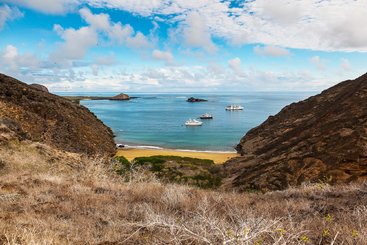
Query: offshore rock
[{"x": 120, "y": 97}]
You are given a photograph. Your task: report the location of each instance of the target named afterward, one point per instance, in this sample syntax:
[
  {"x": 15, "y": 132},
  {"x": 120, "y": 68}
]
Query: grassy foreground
[{"x": 50, "y": 197}]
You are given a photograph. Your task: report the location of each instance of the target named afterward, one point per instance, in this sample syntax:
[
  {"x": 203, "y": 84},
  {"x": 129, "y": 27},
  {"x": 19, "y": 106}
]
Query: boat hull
[{"x": 191, "y": 124}]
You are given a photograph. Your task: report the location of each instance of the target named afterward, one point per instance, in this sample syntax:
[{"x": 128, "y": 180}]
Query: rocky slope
[
  {"x": 30, "y": 113},
  {"x": 323, "y": 138}
]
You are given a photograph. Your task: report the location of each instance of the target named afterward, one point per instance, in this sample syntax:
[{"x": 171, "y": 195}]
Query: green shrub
[{"x": 122, "y": 165}]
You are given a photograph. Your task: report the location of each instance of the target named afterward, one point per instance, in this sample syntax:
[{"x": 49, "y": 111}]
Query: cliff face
[
  {"x": 323, "y": 138},
  {"x": 30, "y": 113}
]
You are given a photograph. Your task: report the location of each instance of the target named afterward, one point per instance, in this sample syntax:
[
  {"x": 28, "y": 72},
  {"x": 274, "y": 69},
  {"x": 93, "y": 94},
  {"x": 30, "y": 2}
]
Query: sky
[{"x": 183, "y": 45}]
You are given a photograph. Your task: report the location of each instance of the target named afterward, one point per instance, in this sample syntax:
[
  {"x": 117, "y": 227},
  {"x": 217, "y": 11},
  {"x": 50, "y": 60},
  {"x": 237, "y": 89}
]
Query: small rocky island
[{"x": 192, "y": 99}]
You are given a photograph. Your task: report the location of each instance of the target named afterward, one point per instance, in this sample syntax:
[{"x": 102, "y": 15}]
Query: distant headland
[{"x": 120, "y": 96}]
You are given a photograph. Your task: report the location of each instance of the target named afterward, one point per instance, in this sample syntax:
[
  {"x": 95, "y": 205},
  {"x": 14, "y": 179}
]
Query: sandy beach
[{"x": 217, "y": 157}]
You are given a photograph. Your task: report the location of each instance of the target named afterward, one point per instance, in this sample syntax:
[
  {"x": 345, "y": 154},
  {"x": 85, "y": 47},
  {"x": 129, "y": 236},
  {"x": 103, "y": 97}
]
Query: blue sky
[{"x": 183, "y": 45}]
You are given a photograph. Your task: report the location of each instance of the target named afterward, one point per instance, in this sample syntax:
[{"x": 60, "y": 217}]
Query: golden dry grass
[{"x": 75, "y": 200}]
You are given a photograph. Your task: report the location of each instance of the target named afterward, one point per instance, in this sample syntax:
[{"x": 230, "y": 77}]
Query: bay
[{"x": 157, "y": 120}]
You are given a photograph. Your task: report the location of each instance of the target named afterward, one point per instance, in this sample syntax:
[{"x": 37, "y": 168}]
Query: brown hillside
[
  {"x": 323, "y": 138},
  {"x": 48, "y": 118}
]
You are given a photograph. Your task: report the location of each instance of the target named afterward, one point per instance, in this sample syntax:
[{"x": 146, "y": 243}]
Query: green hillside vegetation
[{"x": 202, "y": 173}]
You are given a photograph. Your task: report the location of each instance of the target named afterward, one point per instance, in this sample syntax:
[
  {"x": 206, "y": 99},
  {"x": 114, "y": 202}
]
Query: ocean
[{"x": 157, "y": 120}]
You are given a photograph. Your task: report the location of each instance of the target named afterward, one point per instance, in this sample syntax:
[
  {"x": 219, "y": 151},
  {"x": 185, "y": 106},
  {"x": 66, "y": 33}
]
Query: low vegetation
[
  {"x": 50, "y": 197},
  {"x": 202, "y": 173}
]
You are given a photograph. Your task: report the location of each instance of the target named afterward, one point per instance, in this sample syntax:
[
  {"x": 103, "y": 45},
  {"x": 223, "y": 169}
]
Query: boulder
[{"x": 39, "y": 87}]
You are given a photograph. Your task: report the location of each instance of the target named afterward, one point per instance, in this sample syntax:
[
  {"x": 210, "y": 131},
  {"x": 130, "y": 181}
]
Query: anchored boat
[
  {"x": 234, "y": 108},
  {"x": 206, "y": 116},
  {"x": 193, "y": 122}
]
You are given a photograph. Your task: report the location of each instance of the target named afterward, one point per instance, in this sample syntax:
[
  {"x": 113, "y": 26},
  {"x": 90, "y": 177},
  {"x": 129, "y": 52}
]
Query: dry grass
[{"x": 72, "y": 200}]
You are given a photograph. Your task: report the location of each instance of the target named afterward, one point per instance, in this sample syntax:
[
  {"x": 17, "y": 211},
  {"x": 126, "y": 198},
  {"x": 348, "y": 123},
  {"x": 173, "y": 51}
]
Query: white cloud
[
  {"x": 142, "y": 7},
  {"x": 97, "y": 21},
  {"x": 282, "y": 11},
  {"x": 165, "y": 56},
  {"x": 318, "y": 25},
  {"x": 271, "y": 50},
  {"x": 236, "y": 66},
  {"x": 117, "y": 32},
  {"x": 196, "y": 33},
  {"x": 314, "y": 24},
  {"x": 7, "y": 14},
  {"x": 76, "y": 43},
  {"x": 106, "y": 60},
  {"x": 13, "y": 61},
  {"x": 99, "y": 76},
  {"x": 318, "y": 62},
  {"x": 49, "y": 6}
]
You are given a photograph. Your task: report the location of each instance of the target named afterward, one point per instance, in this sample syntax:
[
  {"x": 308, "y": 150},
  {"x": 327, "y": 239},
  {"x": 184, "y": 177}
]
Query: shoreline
[
  {"x": 153, "y": 147},
  {"x": 131, "y": 152}
]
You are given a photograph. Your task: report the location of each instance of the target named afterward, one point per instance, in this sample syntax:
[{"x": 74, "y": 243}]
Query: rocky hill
[
  {"x": 323, "y": 138},
  {"x": 29, "y": 113}
]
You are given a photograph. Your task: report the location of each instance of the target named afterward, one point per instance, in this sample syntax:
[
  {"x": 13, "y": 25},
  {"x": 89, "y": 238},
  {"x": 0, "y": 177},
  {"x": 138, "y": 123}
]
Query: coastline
[{"x": 130, "y": 153}]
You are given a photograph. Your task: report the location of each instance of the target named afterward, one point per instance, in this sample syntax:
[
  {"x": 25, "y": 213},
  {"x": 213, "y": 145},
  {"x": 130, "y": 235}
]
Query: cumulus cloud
[
  {"x": 271, "y": 50},
  {"x": 236, "y": 66},
  {"x": 7, "y": 14},
  {"x": 49, "y": 7},
  {"x": 12, "y": 60},
  {"x": 196, "y": 33},
  {"x": 282, "y": 11},
  {"x": 98, "y": 21},
  {"x": 117, "y": 32},
  {"x": 328, "y": 25},
  {"x": 76, "y": 43},
  {"x": 165, "y": 56}
]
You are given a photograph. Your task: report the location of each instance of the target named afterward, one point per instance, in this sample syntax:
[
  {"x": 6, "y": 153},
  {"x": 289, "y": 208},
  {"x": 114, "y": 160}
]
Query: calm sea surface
[{"x": 158, "y": 119}]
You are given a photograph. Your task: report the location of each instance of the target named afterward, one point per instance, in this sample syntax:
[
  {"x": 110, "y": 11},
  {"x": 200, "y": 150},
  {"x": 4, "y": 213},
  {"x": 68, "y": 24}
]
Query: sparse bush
[{"x": 202, "y": 173}]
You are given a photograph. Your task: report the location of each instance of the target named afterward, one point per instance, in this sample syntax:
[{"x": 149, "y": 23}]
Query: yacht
[
  {"x": 193, "y": 122},
  {"x": 234, "y": 108},
  {"x": 206, "y": 116}
]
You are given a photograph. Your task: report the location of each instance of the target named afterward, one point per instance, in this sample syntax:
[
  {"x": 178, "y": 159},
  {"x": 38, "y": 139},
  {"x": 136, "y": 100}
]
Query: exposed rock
[
  {"x": 11, "y": 130},
  {"x": 29, "y": 113},
  {"x": 323, "y": 138},
  {"x": 120, "y": 97},
  {"x": 40, "y": 87},
  {"x": 192, "y": 99}
]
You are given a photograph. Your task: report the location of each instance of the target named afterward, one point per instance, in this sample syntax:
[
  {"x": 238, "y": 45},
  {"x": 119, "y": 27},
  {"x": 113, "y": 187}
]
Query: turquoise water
[{"x": 158, "y": 119}]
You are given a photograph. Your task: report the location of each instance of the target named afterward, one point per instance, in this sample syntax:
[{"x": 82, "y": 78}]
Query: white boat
[
  {"x": 206, "y": 116},
  {"x": 234, "y": 108},
  {"x": 193, "y": 122}
]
